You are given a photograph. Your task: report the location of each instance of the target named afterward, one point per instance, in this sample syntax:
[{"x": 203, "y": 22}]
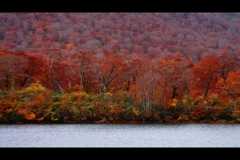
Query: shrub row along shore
[{"x": 35, "y": 104}]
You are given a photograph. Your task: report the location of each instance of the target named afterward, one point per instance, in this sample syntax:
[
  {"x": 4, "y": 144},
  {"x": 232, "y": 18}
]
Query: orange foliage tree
[
  {"x": 166, "y": 70},
  {"x": 176, "y": 73},
  {"x": 82, "y": 61},
  {"x": 206, "y": 74},
  {"x": 131, "y": 69},
  {"x": 181, "y": 75},
  {"x": 108, "y": 68},
  {"x": 230, "y": 86}
]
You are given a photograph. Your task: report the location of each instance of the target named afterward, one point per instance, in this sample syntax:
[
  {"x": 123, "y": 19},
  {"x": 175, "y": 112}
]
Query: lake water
[{"x": 120, "y": 135}]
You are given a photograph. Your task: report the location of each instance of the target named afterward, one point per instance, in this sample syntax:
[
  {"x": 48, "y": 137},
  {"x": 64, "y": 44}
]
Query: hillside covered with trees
[{"x": 119, "y": 67}]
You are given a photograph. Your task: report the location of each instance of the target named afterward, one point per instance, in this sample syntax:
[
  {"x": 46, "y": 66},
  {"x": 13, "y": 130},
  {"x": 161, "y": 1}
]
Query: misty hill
[{"x": 192, "y": 34}]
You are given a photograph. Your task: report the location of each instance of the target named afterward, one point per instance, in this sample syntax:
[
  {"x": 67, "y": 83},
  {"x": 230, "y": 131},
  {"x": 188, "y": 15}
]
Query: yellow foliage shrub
[
  {"x": 84, "y": 96},
  {"x": 33, "y": 88},
  {"x": 184, "y": 101},
  {"x": 135, "y": 111},
  {"x": 238, "y": 120},
  {"x": 9, "y": 110},
  {"x": 173, "y": 102},
  {"x": 11, "y": 96},
  {"x": 183, "y": 118},
  {"x": 107, "y": 95},
  {"x": 236, "y": 114},
  {"x": 79, "y": 96},
  {"x": 199, "y": 99}
]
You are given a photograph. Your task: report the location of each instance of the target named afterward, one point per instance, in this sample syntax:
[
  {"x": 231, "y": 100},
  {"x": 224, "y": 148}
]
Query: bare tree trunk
[
  {"x": 105, "y": 88},
  {"x": 59, "y": 86},
  {"x": 81, "y": 81},
  {"x": 186, "y": 91},
  {"x": 148, "y": 108},
  {"x": 165, "y": 93},
  {"x": 100, "y": 90},
  {"x": 234, "y": 101},
  {"x": 12, "y": 84},
  {"x": 6, "y": 82},
  {"x": 207, "y": 88},
  {"x": 174, "y": 93},
  {"x": 128, "y": 84},
  {"x": 69, "y": 85}
]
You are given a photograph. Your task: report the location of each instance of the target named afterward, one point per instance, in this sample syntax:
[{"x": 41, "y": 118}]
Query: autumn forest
[{"x": 119, "y": 67}]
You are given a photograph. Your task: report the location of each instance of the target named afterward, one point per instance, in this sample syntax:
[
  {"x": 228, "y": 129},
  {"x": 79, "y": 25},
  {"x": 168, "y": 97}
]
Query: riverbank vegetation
[{"x": 116, "y": 89}]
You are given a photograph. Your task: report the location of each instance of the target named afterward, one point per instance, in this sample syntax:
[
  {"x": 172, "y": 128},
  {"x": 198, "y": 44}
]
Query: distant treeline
[{"x": 192, "y": 34}]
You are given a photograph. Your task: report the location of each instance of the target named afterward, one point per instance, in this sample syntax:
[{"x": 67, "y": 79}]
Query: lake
[{"x": 120, "y": 135}]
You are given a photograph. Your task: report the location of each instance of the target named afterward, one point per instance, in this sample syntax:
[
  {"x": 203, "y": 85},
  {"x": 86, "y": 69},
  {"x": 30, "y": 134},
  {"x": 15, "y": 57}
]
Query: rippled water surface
[{"x": 120, "y": 135}]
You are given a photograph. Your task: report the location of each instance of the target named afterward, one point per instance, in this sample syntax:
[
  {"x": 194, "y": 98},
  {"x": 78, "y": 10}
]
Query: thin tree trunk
[
  {"x": 59, "y": 86},
  {"x": 206, "y": 91},
  {"x": 12, "y": 84},
  {"x": 128, "y": 84},
  {"x": 7, "y": 83},
  {"x": 81, "y": 81},
  {"x": 186, "y": 91},
  {"x": 69, "y": 85},
  {"x": 174, "y": 94},
  {"x": 234, "y": 101},
  {"x": 100, "y": 90},
  {"x": 105, "y": 88},
  {"x": 207, "y": 88}
]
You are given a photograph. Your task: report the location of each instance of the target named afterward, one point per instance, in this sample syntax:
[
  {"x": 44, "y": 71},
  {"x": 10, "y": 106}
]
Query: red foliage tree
[
  {"x": 229, "y": 64},
  {"x": 54, "y": 70},
  {"x": 131, "y": 69},
  {"x": 108, "y": 68},
  {"x": 12, "y": 65},
  {"x": 206, "y": 73},
  {"x": 82, "y": 62}
]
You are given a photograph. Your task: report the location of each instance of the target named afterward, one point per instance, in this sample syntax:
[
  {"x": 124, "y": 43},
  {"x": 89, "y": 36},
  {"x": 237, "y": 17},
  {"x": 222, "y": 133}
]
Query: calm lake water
[{"x": 120, "y": 135}]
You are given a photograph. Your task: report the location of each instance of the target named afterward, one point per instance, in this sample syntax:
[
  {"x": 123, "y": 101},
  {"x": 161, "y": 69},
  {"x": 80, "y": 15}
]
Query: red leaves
[
  {"x": 108, "y": 69},
  {"x": 199, "y": 112},
  {"x": 206, "y": 73},
  {"x": 12, "y": 66},
  {"x": 175, "y": 74}
]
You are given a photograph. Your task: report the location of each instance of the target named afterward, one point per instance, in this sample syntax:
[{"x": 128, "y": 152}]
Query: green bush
[{"x": 56, "y": 96}]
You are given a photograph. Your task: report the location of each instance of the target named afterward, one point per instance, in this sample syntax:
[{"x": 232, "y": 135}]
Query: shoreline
[{"x": 127, "y": 122}]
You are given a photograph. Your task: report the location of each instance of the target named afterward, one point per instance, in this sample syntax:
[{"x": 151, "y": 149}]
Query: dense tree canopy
[{"x": 102, "y": 67}]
